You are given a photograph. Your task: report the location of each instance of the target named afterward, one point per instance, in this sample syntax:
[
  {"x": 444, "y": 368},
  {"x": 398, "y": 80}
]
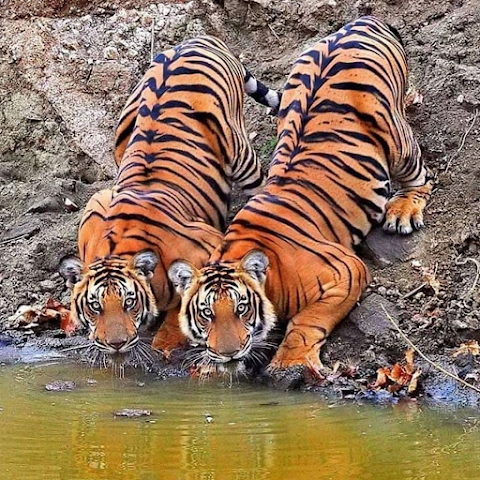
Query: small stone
[
  {"x": 60, "y": 386},
  {"x": 382, "y": 291},
  {"x": 132, "y": 413},
  {"x": 208, "y": 418},
  {"x": 461, "y": 98},
  {"x": 47, "y": 286},
  {"x": 111, "y": 53},
  {"x": 419, "y": 296},
  {"x": 70, "y": 206}
]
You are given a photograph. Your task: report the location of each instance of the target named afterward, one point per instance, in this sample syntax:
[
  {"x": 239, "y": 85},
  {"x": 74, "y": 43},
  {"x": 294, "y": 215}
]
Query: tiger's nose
[
  {"x": 117, "y": 345},
  {"x": 229, "y": 353}
]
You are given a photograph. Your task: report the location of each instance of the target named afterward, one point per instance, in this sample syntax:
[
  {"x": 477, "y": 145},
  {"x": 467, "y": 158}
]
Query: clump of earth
[{"x": 67, "y": 69}]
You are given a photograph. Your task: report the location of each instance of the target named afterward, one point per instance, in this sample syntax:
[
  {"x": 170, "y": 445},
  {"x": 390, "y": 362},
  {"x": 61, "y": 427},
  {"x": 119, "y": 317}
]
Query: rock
[
  {"x": 48, "y": 285},
  {"x": 49, "y": 204},
  {"x": 24, "y": 230},
  {"x": 5, "y": 340},
  {"x": 384, "y": 248},
  {"x": 370, "y": 317},
  {"x": 111, "y": 53},
  {"x": 132, "y": 413},
  {"x": 60, "y": 386},
  {"x": 288, "y": 379}
]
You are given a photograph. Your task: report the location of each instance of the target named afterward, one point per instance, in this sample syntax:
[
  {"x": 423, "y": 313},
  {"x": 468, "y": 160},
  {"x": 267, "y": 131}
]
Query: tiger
[
  {"x": 180, "y": 143},
  {"x": 288, "y": 260}
]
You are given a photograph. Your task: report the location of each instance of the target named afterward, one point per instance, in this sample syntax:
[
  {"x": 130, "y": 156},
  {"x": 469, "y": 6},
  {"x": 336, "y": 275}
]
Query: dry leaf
[
  {"x": 412, "y": 387},
  {"x": 469, "y": 347},
  {"x": 66, "y": 323},
  {"x": 431, "y": 279},
  {"x": 53, "y": 311},
  {"x": 399, "y": 376},
  {"x": 413, "y": 97},
  {"x": 409, "y": 361},
  {"x": 382, "y": 378}
]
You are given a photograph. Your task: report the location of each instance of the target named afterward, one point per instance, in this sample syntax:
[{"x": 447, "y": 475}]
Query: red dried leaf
[
  {"x": 399, "y": 375},
  {"x": 382, "y": 378}
]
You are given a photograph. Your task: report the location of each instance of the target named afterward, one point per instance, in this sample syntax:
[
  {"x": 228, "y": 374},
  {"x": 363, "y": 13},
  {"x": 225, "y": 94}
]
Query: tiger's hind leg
[
  {"x": 308, "y": 330},
  {"x": 404, "y": 211}
]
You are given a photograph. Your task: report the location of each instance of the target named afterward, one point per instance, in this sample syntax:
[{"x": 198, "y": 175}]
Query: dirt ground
[{"x": 66, "y": 69}]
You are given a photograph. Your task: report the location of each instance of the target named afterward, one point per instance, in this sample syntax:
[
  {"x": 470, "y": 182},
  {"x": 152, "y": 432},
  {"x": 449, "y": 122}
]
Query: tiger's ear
[
  {"x": 255, "y": 263},
  {"x": 182, "y": 273},
  {"x": 71, "y": 269},
  {"x": 144, "y": 262}
]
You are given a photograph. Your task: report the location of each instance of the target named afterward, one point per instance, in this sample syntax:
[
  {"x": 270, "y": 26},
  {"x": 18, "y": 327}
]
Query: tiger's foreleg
[
  {"x": 308, "y": 330},
  {"x": 404, "y": 211},
  {"x": 169, "y": 336}
]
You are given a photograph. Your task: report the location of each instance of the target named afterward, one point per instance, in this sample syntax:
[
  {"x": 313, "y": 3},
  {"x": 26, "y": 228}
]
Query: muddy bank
[{"x": 67, "y": 68}]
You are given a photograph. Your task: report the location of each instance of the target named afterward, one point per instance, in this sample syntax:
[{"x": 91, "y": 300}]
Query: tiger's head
[
  {"x": 111, "y": 297},
  {"x": 225, "y": 311}
]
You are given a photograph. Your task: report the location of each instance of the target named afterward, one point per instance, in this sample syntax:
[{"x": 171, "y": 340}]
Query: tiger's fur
[
  {"x": 180, "y": 143},
  {"x": 343, "y": 137}
]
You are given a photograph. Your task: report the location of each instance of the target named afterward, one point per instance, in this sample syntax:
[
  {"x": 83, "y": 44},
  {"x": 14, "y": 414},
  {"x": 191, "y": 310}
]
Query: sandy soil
[{"x": 67, "y": 67}]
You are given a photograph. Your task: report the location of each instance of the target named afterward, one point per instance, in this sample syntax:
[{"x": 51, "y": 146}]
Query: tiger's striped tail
[{"x": 261, "y": 93}]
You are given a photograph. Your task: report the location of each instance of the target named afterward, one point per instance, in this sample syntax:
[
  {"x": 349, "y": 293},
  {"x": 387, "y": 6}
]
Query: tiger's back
[
  {"x": 180, "y": 144},
  {"x": 342, "y": 131}
]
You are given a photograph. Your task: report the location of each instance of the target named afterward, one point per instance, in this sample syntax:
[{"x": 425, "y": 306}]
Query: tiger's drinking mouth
[
  {"x": 112, "y": 297},
  {"x": 225, "y": 313}
]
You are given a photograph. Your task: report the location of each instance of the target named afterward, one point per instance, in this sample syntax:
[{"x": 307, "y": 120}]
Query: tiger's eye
[
  {"x": 207, "y": 312},
  {"x": 129, "y": 302},
  {"x": 96, "y": 306},
  {"x": 242, "y": 308}
]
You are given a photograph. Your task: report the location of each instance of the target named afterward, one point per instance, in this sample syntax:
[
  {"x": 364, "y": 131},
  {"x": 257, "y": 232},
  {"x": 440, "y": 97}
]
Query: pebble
[
  {"x": 47, "y": 285},
  {"x": 60, "y": 386},
  {"x": 419, "y": 296},
  {"x": 382, "y": 291},
  {"x": 132, "y": 413},
  {"x": 110, "y": 53}
]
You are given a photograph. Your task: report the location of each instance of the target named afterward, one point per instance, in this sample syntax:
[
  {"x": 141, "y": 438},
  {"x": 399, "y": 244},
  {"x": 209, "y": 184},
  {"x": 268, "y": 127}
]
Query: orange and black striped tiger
[
  {"x": 180, "y": 143},
  {"x": 288, "y": 258}
]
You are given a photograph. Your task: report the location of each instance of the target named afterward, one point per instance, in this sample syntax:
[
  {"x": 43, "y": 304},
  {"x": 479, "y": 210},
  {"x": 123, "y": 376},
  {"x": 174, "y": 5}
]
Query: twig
[
  {"x": 415, "y": 290},
  {"x": 76, "y": 347},
  {"x": 275, "y": 34},
  {"x": 14, "y": 239},
  {"x": 462, "y": 143},
  {"x": 152, "y": 37},
  {"x": 431, "y": 362},
  {"x": 477, "y": 276}
]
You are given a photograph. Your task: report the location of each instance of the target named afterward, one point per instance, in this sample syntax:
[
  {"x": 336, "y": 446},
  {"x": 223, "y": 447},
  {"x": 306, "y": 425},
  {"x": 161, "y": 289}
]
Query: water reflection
[{"x": 209, "y": 431}]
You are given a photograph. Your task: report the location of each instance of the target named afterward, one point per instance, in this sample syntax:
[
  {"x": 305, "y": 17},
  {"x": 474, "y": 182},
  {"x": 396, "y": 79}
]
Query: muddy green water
[{"x": 213, "y": 431}]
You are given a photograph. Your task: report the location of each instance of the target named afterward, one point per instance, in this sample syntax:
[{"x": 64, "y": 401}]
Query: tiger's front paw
[
  {"x": 286, "y": 359},
  {"x": 404, "y": 214},
  {"x": 167, "y": 341}
]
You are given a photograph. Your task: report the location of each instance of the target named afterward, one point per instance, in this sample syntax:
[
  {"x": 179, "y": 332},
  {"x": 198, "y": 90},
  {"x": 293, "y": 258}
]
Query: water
[{"x": 211, "y": 431}]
